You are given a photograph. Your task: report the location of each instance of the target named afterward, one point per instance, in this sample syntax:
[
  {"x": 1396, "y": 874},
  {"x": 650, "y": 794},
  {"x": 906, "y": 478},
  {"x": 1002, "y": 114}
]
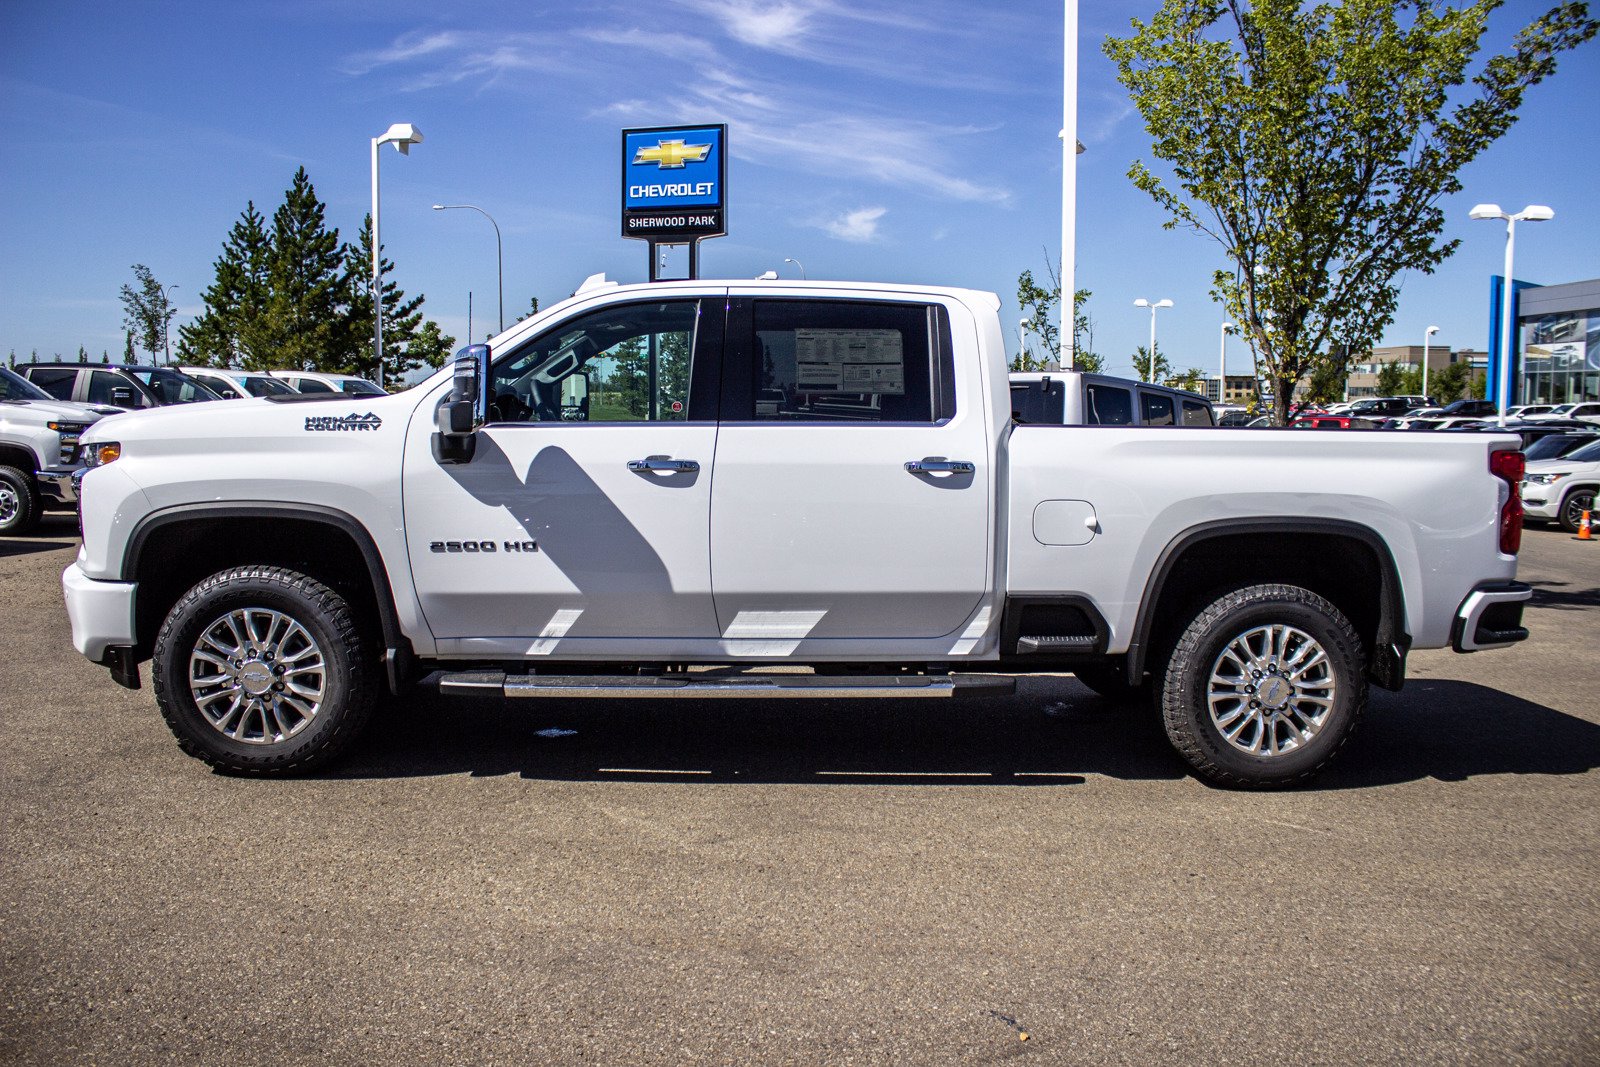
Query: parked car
[
  {"x": 311, "y": 381},
  {"x": 1074, "y": 398},
  {"x": 123, "y": 385},
  {"x": 38, "y": 451},
  {"x": 1380, "y": 407},
  {"x": 1556, "y": 445},
  {"x": 1332, "y": 422},
  {"x": 1523, "y": 411},
  {"x": 234, "y": 384},
  {"x": 1237, "y": 417},
  {"x": 1561, "y": 490},
  {"x": 1528, "y": 431},
  {"x": 1586, "y": 411}
]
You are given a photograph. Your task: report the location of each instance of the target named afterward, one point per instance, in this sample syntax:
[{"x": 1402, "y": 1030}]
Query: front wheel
[
  {"x": 1263, "y": 687},
  {"x": 260, "y": 670},
  {"x": 19, "y": 501},
  {"x": 1573, "y": 505}
]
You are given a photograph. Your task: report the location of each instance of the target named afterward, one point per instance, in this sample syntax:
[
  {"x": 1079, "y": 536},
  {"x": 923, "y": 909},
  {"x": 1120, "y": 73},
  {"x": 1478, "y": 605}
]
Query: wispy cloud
[
  {"x": 449, "y": 57},
  {"x": 859, "y": 226}
]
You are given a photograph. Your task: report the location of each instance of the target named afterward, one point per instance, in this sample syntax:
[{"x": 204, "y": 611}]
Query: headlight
[
  {"x": 1545, "y": 479},
  {"x": 99, "y": 453}
]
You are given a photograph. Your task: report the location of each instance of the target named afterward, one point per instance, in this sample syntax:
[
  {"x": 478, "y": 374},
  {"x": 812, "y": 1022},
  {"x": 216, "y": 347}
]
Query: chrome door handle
[
  {"x": 940, "y": 466},
  {"x": 663, "y": 465}
]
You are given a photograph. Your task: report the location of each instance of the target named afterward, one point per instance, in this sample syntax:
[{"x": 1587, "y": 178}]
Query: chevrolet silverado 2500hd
[
  {"x": 653, "y": 490},
  {"x": 38, "y": 451}
]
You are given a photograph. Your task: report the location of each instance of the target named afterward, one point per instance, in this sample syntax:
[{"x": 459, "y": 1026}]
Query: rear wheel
[
  {"x": 1263, "y": 687},
  {"x": 1573, "y": 505},
  {"x": 260, "y": 670},
  {"x": 19, "y": 501}
]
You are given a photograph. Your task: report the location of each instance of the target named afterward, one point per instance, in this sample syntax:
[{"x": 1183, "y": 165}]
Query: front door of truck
[
  {"x": 852, "y": 495},
  {"x": 583, "y": 511}
]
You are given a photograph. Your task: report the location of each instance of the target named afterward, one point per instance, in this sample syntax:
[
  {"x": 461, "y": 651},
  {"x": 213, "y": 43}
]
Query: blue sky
[{"x": 869, "y": 140}]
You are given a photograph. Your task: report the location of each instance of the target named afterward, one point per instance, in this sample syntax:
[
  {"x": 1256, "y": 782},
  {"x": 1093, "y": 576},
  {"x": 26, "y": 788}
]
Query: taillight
[{"x": 1509, "y": 465}]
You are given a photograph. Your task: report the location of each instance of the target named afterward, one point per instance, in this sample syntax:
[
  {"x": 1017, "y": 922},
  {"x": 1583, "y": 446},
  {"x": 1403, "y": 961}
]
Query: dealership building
[{"x": 1556, "y": 350}]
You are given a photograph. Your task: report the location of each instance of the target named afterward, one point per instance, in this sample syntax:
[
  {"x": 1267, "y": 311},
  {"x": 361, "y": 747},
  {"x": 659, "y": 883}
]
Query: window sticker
[{"x": 851, "y": 361}]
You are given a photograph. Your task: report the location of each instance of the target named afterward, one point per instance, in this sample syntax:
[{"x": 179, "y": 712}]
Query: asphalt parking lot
[{"x": 1033, "y": 877}]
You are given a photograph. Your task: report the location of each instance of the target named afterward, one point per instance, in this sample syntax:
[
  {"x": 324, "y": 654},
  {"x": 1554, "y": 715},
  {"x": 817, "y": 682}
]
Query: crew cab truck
[
  {"x": 667, "y": 490},
  {"x": 38, "y": 451}
]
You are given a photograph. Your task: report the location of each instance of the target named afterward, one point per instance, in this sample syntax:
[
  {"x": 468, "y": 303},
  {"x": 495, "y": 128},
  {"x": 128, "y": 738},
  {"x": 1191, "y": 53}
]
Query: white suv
[
  {"x": 314, "y": 381},
  {"x": 1561, "y": 490},
  {"x": 232, "y": 384}
]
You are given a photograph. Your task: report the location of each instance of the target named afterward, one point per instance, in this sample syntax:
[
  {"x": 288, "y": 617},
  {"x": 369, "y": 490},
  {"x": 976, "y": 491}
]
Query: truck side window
[
  {"x": 1106, "y": 405},
  {"x": 1155, "y": 409},
  {"x": 629, "y": 363},
  {"x": 58, "y": 383},
  {"x": 1196, "y": 413},
  {"x": 850, "y": 361},
  {"x": 102, "y": 386}
]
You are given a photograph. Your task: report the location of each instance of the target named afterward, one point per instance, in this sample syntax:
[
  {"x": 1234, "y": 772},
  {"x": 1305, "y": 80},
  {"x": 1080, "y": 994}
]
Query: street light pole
[
  {"x": 402, "y": 135},
  {"x": 1426, "y": 337},
  {"x": 166, "y": 322},
  {"x": 499, "y": 256},
  {"x": 1531, "y": 213},
  {"x": 799, "y": 264},
  {"x": 1222, "y": 364},
  {"x": 1150, "y": 370}
]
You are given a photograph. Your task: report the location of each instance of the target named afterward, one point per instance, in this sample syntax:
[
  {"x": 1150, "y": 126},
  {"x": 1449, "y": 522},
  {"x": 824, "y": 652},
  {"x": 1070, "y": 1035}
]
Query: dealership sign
[{"x": 674, "y": 183}]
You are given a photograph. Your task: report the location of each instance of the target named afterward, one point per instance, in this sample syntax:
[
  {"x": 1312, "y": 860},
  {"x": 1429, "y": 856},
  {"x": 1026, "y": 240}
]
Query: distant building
[{"x": 1556, "y": 353}]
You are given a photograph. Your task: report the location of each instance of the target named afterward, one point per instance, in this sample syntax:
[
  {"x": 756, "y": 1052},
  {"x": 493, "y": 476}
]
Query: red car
[{"x": 1332, "y": 422}]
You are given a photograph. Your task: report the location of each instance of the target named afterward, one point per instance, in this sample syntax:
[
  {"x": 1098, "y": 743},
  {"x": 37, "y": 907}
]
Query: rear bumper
[
  {"x": 1491, "y": 617},
  {"x": 101, "y": 613}
]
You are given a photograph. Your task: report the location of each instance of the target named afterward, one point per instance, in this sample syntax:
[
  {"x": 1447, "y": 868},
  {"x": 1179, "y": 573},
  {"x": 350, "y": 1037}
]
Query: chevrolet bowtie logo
[{"x": 672, "y": 155}]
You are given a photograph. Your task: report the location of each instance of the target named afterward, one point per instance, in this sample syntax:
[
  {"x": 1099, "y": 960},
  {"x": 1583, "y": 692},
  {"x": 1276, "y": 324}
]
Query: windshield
[
  {"x": 1587, "y": 454},
  {"x": 170, "y": 387},
  {"x": 1554, "y": 445},
  {"x": 1562, "y": 409},
  {"x": 260, "y": 385},
  {"x": 14, "y": 386},
  {"x": 361, "y": 388}
]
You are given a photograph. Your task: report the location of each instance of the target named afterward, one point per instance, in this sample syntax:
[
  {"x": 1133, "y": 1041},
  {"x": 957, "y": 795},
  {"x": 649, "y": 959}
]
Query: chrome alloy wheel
[
  {"x": 257, "y": 676},
  {"x": 1271, "y": 690},
  {"x": 10, "y": 503}
]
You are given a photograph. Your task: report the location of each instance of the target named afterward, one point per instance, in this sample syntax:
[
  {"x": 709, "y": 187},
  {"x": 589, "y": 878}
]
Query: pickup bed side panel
[{"x": 1132, "y": 492}]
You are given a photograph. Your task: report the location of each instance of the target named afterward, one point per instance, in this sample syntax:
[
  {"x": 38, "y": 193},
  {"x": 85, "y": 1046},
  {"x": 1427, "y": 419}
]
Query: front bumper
[
  {"x": 1541, "y": 502},
  {"x": 101, "y": 613},
  {"x": 60, "y": 486},
  {"x": 1491, "y": 617}
]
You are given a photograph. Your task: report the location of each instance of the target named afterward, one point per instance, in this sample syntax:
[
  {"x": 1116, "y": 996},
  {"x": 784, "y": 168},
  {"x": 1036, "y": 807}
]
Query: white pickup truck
[
  {"x": 38, "y": 451},
  {"x": 772, "y": 489}
]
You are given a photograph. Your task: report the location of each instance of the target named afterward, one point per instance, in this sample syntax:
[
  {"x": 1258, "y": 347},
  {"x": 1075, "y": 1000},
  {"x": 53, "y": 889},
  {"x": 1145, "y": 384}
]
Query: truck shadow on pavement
[
  {"x": 1559, "y": 596},
  {"x": 1052, "y": 733},
  {"x": 51, "y": 534}
]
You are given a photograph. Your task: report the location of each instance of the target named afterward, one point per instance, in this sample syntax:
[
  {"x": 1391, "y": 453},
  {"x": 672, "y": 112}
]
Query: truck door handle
[
  {"x": 663, "y": 465},
  {"x": 940, "y": 466}
]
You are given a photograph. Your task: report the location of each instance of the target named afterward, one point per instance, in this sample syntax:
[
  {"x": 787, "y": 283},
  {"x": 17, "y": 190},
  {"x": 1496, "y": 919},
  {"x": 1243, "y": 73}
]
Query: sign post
[{"x": 674, "y": 181}]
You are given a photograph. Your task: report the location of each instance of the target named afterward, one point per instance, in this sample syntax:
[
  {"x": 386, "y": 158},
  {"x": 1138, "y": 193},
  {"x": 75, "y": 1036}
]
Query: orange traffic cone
[{"x": 1584, "y": 533}]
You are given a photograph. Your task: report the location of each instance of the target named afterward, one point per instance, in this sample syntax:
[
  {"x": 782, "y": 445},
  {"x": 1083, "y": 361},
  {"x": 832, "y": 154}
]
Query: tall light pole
[
  {"x": 1022, "y": 344},
  {"x": 499, "y": 256},
  {"x": 1151, "y": 351},
  {"x": 1426, "y": 338},
  {"x": 1069, "y": 181},
  {"x": 1222, "y": 363},
  {"x": 402, "y": 135},
  {"x": 1531, "y": 213},
  {"x": 797, "y": 263},
  {"x": 167, "y": 312}
]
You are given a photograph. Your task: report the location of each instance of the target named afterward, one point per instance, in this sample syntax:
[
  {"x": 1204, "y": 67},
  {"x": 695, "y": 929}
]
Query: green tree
[
  {"x": 1141, "y": 365},
  {"x": 232, "y": 329},
  {"x": 308, "y": 286},
  {"x": 146, "y": 311},
  {"x": 402, "y": 318},
  {"x": 1389, "y": 379},
  {"x": 1314, "y": 143},
  {"x": 1325, "y": 384},
  {"x": 429, "y": 346},
  {"x": 83, "y": 354},
  {"x": 1451, "y": 383},
  {"x": 1038, "y": 310},
  {"x": 1192, "y": 379},
  {"x": 533, "y": 309},
  {"x": 127, "y": 347},
  {"x": 1410, "y": 380}
]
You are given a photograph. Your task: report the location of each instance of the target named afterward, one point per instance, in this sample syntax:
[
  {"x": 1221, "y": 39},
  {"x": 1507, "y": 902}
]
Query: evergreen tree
[
  {"x": 533, "y": 309},
  {"x": 83, "y": 354},
  {"x": 307, "y": 288},
  {"x": 402, "y": 318},
  {"x": 127, "y": 347},
  {"x": 232, "y": 330}
]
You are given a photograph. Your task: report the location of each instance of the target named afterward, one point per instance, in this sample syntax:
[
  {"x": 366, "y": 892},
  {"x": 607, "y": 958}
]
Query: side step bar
[{"x": 701, "y": 686}]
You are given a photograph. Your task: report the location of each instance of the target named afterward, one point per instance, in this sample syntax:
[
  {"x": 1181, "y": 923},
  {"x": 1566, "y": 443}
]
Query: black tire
[
  {"x": 1276, "y": 702},
  {"x": 1110, "y": 680},
  {"x": 1573, "y": 505},
  {"x": 255, "y": 713},
  {"x": 19, "y": 502}
]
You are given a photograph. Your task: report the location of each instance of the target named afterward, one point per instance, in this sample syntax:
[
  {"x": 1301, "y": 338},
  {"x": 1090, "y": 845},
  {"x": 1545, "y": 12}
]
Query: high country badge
[{"x": 369, "y": 421}]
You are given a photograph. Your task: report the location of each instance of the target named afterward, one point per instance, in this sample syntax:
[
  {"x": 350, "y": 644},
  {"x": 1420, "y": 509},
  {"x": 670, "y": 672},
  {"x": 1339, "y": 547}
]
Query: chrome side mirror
[{"x": 460, "y": 414}]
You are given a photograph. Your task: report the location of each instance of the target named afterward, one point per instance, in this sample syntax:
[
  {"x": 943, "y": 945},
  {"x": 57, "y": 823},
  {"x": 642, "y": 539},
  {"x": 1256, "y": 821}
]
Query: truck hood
[
  {"x": 65, "y": 409},
  {"x": 232, "y": 424}
]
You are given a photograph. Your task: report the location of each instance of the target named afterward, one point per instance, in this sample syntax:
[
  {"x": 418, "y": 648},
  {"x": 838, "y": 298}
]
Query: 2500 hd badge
[{"x": 482, "y": 546}]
